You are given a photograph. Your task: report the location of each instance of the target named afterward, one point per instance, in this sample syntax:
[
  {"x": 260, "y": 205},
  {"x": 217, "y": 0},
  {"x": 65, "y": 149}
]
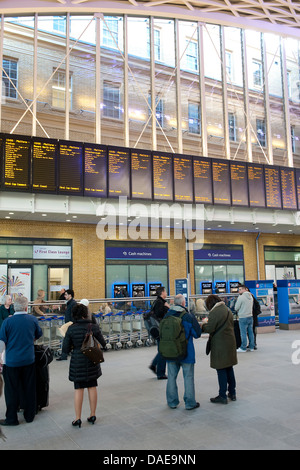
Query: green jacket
[{"x": 223, "y": 345}]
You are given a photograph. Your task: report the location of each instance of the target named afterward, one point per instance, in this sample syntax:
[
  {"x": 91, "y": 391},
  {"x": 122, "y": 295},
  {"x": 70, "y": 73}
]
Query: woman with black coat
[{"x": 82, "y": 371}]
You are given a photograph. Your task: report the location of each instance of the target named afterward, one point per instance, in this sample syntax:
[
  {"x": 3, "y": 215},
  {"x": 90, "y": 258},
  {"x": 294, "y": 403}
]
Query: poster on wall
[{"x": 19, "y": 282}]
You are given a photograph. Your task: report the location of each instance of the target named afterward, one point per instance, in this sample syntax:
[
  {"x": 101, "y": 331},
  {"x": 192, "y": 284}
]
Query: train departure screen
[
  {"x": 95, "y": 170},
  {"x": 70, "y": 167},
  {"x": 17, "y": 151},
  {"x": 141, "y": 174},
  {"x": 183, "y": 178},
  {"x": 221, "y": 182},
  {"x": 203, "y": 180},
  {"x": 44, "y": 165},
  {"x": 288, "y": 188},
  {"x": 163, "y": 176},
  {"x": 273, "y": 189},
  {"x": 256, "y": 184},
  {"x": 239, "y": 184},
  {"x": 119, "y": 171}
]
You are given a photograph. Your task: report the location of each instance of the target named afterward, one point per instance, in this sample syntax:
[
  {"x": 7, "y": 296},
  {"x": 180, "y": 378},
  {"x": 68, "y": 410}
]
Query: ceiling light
[
  {"x": 7, "y": 217},
  {"x": 44, "y": 215},
  {"x": 219, "y": 225},
  {"x": 74, "y": 216},
  {"x": 68, "y": 220},
  {"x": 11, "y": 213}
]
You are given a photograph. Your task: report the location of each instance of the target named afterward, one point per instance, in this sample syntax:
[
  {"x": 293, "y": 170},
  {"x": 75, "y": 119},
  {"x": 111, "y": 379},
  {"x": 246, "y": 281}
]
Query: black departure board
[
  {"x": 95, "y": 170},
  {"x": 256, "y": 185},
  {"x": 70, "y": 166},
  {"x": 288, "y": 188},
  {"x": 162, "y": 176},
  {"x": 221, "y": 182},
  {"x": 239, "y": 184},
  {"x": 203, "y": 192},
  {"x": 141, "y": 174},
  {"x": 44, "y": 153},
  {"x": 17, "y": 158},
  {"x": 118, "y": 172},
  {"x": 297, "y": 177},
  {"x": 273, "y": 189},
  {"x": 183, "y": 178}
]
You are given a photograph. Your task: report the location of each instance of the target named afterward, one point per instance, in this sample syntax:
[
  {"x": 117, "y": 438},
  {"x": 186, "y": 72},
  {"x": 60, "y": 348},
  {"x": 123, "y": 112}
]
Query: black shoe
[
  {"x": 153, "y": 368},
  {"x": 219, "y": 399},
  {"x": 231, "y": 397},
  {"x": 92, "y": 419},
  {"x": 4, "y": 423},
  {"x": 77, "y": 423},
  {"x": 163, "y": 377},
  {"x": 196, "y": 406},
  {"x": 61, "y": 358}
]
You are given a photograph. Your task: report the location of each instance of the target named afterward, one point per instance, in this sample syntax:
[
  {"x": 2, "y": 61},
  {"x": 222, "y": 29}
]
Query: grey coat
[{"x": 223, "y": 345}]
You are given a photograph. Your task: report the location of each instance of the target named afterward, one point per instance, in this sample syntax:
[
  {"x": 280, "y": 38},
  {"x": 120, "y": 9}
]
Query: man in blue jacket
[
  {"x": 192, "y": 330},
  {"x": 17, "y": 336}
]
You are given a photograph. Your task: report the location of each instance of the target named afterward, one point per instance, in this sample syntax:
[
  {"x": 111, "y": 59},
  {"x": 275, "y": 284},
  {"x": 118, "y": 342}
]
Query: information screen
[
  {"x": 141, "y": 174},
  {"x": 17, "y": 155},
  {"x": 70, "y": 167},
  {"x": 203, "y": 180},
  {"x": 288, "y": 188},
  {"x": 44, "y": 153},
  {"x": 256, "y": 184},
  {"x": 162, "y": 176},
  {"x": 183, "y": 178},
  {"x": 239, "y": 184},
  {"x": 297, "y": 175},
  {"x": 118, "y": 172},
  {"x": 273, "y": 188},
  {"x": 95, "y": 170},
  {"x": 221, "y": 182}
]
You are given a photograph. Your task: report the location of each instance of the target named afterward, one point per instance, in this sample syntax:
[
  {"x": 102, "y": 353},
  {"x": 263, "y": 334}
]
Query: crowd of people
[{"x": 19, "y": 331}]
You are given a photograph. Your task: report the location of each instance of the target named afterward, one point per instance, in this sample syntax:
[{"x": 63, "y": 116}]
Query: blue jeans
[
  {"x": 189, "y": 387},
  {"x": 226, "y": 378},
  {"x": 246, "y": 327},
  {"x": 160, "y": 363}
]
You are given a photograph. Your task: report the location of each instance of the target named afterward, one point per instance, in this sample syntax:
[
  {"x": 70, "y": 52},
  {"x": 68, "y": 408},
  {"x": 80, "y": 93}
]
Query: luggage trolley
[
  {"x": 45, "y": 324},
  {"x": 56, "y": 338}
]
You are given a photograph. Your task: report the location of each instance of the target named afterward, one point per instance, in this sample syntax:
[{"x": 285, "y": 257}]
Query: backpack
[
  {"x": 151, "y": 323},
  {"x": 172, "y": 340}
]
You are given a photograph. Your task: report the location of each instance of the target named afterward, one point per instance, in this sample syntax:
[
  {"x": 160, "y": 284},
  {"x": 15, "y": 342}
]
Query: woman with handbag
[
  {"x": 83, "y": 372},
  {"x": 223, "y": 357}
]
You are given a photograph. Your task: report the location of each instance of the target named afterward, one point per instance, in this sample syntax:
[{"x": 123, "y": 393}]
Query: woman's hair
[
  {"x": 80, "y": 311},
  {"x": 211, "y": 301}
]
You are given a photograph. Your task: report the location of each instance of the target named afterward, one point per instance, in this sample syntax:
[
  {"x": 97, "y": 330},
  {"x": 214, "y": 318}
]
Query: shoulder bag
[
  {"x": 208, "y": 344},
  {"x": 91, "y": 347}
]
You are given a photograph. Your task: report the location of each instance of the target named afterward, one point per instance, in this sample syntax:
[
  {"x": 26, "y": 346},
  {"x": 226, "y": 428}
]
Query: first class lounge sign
[{"x": 51, "y": 252}]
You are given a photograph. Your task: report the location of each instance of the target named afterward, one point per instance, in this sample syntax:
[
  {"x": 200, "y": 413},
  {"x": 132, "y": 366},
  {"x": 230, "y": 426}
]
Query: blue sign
[
  {"x": 135, "y": 252},
  {"x": 218, "y": 255},
  {"x": 181, "y": 287}
]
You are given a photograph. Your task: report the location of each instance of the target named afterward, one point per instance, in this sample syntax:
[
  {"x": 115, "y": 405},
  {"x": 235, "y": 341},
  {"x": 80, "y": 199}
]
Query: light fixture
[
  {"x": 74, "y": 216},
  {"x": 68, "y": 220},
  {"x": 7, "y": 217},
  {"x": 44, "y": 215},
  {"x": 11, "y": 213}
]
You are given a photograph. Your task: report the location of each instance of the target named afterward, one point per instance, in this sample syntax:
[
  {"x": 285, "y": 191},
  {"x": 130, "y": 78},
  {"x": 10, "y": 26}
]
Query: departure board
[
  {"x": 256, "y": 185},
  {"x": 162, "y": 176},
  {"x": 183, "y": 178},
  {"x": 288, "y": 188},
  {"x": 202, "y": 180},
  {"x": 17, "y": 156},
  {"x": 239, "y": 184},
  {"x": 221, "y": 182},
  {"x": 118, "y": 172},
  {"x": 44, "y": 165},
  {"x": 297, "y": 177},
  {"x": 273, "y": 189},
  {"x": 70, "y": 159},
  {"x": 95, "y": 170},
  {"x": 141, "y": 174}
]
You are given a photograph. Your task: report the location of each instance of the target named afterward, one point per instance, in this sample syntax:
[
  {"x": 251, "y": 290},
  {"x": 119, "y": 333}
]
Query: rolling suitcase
[
  {"x": 237, "y": 333},
  {"x": 43, "y": 357}
]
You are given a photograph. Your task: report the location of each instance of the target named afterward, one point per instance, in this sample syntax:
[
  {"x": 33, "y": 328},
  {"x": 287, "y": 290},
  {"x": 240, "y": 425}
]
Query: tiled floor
[{"x": 132, "y": 411}]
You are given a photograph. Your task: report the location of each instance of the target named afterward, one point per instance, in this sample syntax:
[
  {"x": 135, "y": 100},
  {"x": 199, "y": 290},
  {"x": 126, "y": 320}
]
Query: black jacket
[
  {"x": 159, "y": 308},
  {"x": 81, "y": 368},
  {"x": 68, "y": 314}
]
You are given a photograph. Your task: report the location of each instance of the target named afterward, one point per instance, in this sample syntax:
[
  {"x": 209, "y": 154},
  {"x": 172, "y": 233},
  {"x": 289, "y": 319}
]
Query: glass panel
[
  {"x": 40, "y": 277},
  {"x": 59, "y": 278},
  {"x": 156, "y": 274},
  {"x": 202, "y": 273},
  {"x": 292, "y": 50},
  {"x": 18, "y": 251},
  {"x": 235, "y": 273},
  {"x": 219, "y": 273},
  {"x": 115, "y": 274}
]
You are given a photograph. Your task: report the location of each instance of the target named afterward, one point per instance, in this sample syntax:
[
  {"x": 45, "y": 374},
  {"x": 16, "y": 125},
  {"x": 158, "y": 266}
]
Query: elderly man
[
  {"x": 17, "y": 336},
  {"x": 192, "y": 330}
]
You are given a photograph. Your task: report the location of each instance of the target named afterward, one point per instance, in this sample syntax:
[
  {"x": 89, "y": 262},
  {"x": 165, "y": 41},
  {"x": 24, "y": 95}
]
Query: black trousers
[{"x": 20, "y": 382}]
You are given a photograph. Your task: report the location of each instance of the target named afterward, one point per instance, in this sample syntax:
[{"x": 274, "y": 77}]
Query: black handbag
[
  {"x": 91, "y": 347},
  {"x": 208, "y": 344}
]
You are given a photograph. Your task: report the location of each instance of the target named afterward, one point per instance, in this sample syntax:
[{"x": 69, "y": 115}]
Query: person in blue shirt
[
  {"x": 17, "y": 336},
  {"x": 192, "y": 330}
]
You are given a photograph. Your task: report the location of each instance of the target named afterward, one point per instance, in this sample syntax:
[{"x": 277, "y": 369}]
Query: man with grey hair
[
  {"x": 192, "y": 330},
  {"x": 17, "y": 336}
]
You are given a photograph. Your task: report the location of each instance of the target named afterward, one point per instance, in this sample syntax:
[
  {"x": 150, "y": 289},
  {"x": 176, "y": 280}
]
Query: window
[
  {"x": 194, "y": 118},
  {"x": 293, "y": 137},
  {"x": 10, "y": 78},
  {"x": 261, "y": 131},
  {"x": 289, "y": 85},
  {"x": 110, "y": 32},
  {"x": 192, "y": 56},
  {"x": 232, "y": 126},
  {"x": 59, "y": 90},
  {"x": 59, "y": 24},
  {"x": 257, "y": 73},
  {"x": 156, "y": 33},
  {"x": 111, "y": 100},
  {"x": 159, "y": 110},
  {"x": 228, "y": 57}
]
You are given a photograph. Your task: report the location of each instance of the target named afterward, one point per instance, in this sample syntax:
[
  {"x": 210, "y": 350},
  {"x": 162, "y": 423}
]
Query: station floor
[{"x": 132, "y": 413}]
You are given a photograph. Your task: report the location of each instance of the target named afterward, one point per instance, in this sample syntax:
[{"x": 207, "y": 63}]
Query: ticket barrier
[
  {"x": 288, "y": 294},
  {"x": 263, "y": 292}
]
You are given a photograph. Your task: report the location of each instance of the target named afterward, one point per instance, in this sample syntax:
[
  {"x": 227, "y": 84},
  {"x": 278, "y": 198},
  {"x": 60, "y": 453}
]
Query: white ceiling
[{"x": 281, "y": 16}]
